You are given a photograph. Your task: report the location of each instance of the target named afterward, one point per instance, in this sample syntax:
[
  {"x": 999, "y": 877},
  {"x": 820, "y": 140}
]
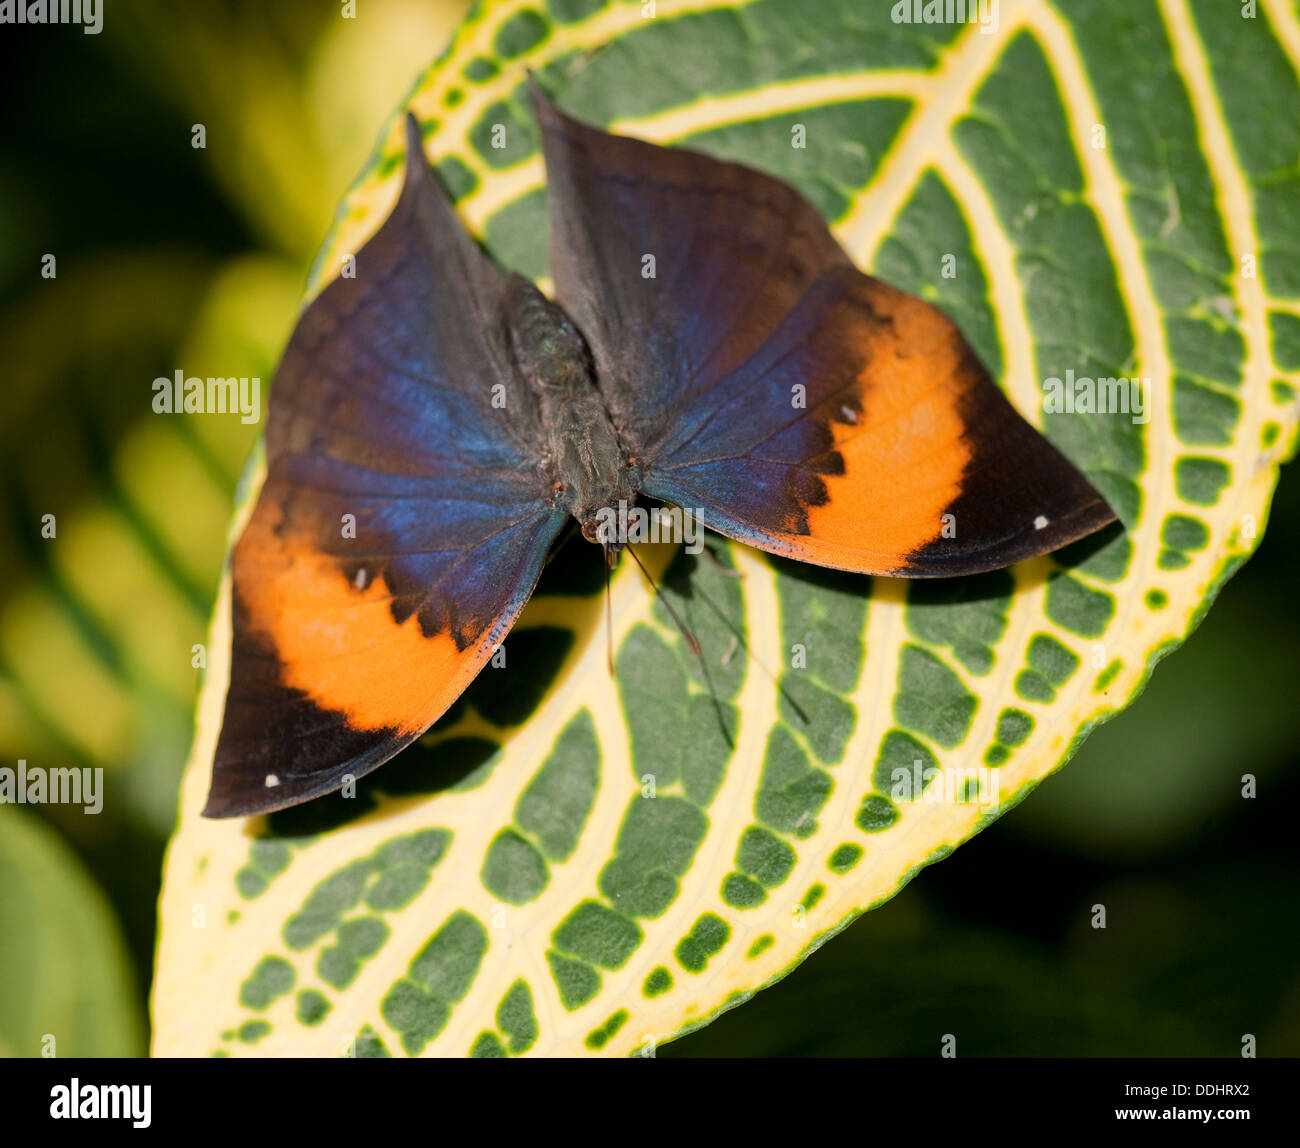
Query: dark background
[{"x": 166, "y": 253}]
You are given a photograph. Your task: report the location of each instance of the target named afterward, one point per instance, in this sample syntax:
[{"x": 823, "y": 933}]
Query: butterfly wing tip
[
  {"x": 414, "y": 136},
  {"x": 225, "y": 803},
  {"x": 217, "y": 810}
]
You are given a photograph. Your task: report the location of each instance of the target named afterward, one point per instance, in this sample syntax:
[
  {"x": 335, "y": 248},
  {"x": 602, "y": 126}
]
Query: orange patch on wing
[
  {"x": 903, "y": 451},
  {"x": 337, "y": 642}
]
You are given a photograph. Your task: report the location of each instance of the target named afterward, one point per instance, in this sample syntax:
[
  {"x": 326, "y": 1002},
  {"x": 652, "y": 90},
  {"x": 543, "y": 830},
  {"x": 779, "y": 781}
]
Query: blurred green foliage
[
  {"x": 66, "y": 988},
  {"x": 167, "y": 256},
  {"x": 170, "y": 256}
]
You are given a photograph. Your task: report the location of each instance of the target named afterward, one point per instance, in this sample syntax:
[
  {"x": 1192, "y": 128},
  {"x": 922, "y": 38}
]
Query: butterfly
[{"x": 435, "y": 423}]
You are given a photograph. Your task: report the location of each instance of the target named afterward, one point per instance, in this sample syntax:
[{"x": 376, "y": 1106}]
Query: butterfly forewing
[
  {"x": 404, "y": 519},
  {"x": 761, "y": 380}
]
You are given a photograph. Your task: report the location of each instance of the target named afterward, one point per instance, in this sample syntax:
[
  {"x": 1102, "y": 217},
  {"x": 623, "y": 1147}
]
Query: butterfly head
[{"x": 606, "y": 522}]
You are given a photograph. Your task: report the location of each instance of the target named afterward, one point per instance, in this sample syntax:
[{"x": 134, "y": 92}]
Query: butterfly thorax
[{"x": 588, "y": 460}]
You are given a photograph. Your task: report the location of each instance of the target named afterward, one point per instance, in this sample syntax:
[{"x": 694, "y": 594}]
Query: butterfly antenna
[
  {"x": 672, "y": 612},
  {"x": 738, "y": 636},
  {"x": 609, "y": 612}
]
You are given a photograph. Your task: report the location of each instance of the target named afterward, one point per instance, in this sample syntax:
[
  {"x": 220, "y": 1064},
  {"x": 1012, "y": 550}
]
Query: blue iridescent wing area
[
  {"x": 404, "y": 520},
  {"x": 758, "y": 378}
]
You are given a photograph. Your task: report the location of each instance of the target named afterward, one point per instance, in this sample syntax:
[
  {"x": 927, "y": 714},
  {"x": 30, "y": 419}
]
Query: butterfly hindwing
[
  {"x": 404, "y": 519},
  {"x": 758, "y": 378}
]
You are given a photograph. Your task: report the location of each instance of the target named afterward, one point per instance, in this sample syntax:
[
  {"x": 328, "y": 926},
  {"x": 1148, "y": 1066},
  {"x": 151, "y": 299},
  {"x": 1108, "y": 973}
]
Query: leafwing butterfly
[{"x": 435, "y": 423}]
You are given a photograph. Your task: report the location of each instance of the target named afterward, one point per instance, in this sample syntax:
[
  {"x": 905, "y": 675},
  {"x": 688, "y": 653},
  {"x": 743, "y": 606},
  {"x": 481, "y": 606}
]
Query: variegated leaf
[{"x": 573, "y": 862}]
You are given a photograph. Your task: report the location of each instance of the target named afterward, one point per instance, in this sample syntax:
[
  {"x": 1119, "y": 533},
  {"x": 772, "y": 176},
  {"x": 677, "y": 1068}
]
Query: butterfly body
[
  {"x": 584, "y": 454},
  {"x": 434, "y": 424}
]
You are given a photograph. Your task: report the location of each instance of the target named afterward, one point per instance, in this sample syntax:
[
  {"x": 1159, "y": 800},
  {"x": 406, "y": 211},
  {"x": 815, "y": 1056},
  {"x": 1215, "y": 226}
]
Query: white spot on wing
[
  {"x": 272, "y": 781},
  {"x": 360, "y": 581},
  {"x": 1040, "y": 522}
]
